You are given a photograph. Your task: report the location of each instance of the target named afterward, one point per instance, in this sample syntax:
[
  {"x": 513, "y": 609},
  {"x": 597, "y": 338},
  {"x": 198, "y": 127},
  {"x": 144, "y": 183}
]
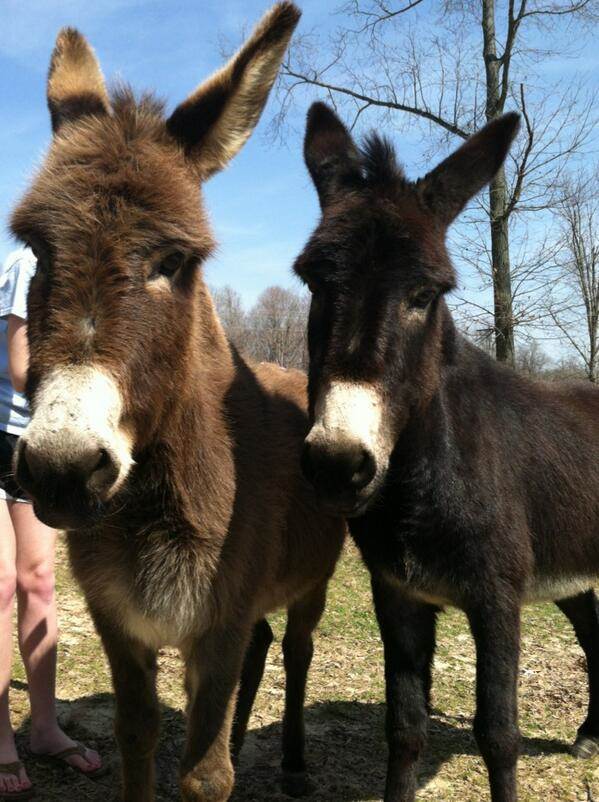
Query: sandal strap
[
  {"x": 11, "y": 768},
  {"x": 77, "y": 749}
]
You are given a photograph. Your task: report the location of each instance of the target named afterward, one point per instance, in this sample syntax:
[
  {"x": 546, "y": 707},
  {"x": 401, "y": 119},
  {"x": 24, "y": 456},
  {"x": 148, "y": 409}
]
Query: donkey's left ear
[
  {"x": 449, "y": 187},
  {"x": 330, "y": 153},
  {"x": 75, "y": 82},
  {"x": 215, "y": 121}
]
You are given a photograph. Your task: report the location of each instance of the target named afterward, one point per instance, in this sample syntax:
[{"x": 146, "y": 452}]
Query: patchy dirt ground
[{"x": 345, "y": 710}]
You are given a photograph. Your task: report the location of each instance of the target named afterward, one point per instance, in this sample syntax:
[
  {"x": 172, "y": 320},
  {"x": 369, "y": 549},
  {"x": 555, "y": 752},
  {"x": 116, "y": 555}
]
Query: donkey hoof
[
  {"x": 296, "y": 784},
  {"x": 216, "y": 787},
  {"x": 585, "y": 747}
]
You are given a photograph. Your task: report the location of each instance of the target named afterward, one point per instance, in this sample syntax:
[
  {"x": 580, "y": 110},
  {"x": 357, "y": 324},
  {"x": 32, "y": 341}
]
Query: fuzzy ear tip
[
  {"x": 320, "y": 114},
  {"x": 68, "y": 36},
  {"x": 287, "y": 13},
  {"x": 511, "y": 123}
]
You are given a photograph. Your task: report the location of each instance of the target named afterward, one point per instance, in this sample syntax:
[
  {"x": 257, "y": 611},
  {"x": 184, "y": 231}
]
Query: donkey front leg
[
  {"x": 213, "y": 669},
  {"x": 496, "y": 631},
  {"x": 408, "y": 633},
  {"x": 137, "y": 721}
]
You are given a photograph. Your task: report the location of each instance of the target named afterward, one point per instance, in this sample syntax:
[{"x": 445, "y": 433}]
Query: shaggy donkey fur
[
  {"x": 476, "y": 487},
  {"x": 172, "y": 463}
]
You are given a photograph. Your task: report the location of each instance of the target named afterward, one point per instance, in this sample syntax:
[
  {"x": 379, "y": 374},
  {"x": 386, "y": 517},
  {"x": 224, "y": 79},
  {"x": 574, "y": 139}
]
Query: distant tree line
[{"x": 273, "y": 330}]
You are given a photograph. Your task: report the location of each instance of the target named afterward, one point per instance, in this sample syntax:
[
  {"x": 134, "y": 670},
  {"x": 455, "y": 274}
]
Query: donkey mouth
[
  {"x": 62, "y": 502},
  {"x": 79, "y": 516},
  {"x": 348, "y": 505}
]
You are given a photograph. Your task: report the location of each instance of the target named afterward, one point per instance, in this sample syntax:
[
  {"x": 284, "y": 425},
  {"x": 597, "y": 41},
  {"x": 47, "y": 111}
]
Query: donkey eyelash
[
  {"x": 423, "y": 298},
  {"x": 168, "y": 265}
]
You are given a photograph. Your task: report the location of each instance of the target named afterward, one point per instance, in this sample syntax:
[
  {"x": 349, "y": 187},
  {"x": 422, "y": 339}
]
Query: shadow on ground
[{"x": 345, "y": 749}]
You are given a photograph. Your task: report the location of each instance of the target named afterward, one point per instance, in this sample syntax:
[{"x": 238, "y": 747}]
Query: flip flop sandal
[
  {"x": 15, "y": 768},
  {"x": 61, "y": 759}
]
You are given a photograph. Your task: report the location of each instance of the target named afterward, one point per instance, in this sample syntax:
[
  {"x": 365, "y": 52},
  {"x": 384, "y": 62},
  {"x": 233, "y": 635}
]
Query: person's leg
[
  {"x": 8, "y": 581},
  {"x": 35, "y": 544}
]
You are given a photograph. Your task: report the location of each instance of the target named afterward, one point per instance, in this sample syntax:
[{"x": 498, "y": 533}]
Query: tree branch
[
  {"x": 372, "y": 101},
  {"x": 517, "y": 191}
]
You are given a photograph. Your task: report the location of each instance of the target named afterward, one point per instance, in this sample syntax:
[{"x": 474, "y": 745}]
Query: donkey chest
[
  {"x": 409, "y": 570},
  {"x": 158, "y": 590},
  {"x": 415, "y": 581}
]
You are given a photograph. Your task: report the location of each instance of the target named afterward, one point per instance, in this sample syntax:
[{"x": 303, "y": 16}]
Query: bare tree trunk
[
  {"x": 498, "y": 196},
  {"x": 502, "y": 282}
]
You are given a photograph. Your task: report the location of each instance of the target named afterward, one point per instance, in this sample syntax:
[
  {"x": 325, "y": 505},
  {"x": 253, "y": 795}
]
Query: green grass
[{"x": 344, "y": 709}]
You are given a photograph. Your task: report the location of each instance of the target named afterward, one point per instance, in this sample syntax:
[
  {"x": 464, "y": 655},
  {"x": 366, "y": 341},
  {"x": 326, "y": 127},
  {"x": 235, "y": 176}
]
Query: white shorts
[{"x": 7, "y": 497}]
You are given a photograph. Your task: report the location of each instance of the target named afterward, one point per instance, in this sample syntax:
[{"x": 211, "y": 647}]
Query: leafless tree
[
  {"x": 232, "y": 315},
  {"x": 574, "y": 303},
  {"x": 451, "y": 65},
  {"x": 565, "y": 369},
  {"x": 277, "y": 325},
  {"x": 531, "y": 359},
  {"x": 273, "y": 330}
]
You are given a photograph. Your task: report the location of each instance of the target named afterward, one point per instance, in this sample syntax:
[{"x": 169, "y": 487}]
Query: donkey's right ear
[
  {"x": 449, "y": 187},
  {"x": 215, "y": 121},
  {"x": 75, "y": 82},
  {"x": 330, "y": 153}
]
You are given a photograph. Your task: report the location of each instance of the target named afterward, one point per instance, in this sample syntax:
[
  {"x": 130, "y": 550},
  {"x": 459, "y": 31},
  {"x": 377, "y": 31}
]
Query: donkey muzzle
[
  {"x": 68, "y": 490},
  {"x": 74, "y": 455},
  {"x": 339, "y": 475}
]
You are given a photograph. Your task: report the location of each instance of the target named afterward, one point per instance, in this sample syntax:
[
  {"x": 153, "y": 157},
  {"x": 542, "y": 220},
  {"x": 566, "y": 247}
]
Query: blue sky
[{"x": 263, "y": 206}]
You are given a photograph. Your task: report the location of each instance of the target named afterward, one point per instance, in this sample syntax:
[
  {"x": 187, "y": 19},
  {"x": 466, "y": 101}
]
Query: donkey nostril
[
  {"x": 102, "y": 472},
  {"x": 364, "y": 469},
  {"x": 103, "y": 460},
  {"x": 338, "y": 469}
]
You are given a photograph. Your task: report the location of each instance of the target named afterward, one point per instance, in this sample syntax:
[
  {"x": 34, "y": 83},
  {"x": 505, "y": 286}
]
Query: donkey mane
[
  {"x": 131, "y": 108},
  {"x": 380, "y": 164}
]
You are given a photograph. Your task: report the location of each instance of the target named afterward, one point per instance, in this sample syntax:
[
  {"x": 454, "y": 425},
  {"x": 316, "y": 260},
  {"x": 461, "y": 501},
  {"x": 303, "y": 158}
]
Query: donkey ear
[
  {"x": 330, "y": 153},
  {"x": 75, "y": 82},
  {"x": 215, "y": 121},
  {"x": 449, "y": 187}
]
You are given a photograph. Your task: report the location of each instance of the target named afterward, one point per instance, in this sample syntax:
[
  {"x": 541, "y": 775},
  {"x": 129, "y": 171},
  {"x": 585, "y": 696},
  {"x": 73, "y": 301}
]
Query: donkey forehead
[
  {"x": 392, "y": 239},
  {"x": 105, "y": 173}
]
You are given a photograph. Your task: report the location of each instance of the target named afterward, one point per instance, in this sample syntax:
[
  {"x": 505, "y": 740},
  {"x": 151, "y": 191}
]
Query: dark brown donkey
[
  {"x": 173, "y": 464},
  {"x": 476, "y": 487}
]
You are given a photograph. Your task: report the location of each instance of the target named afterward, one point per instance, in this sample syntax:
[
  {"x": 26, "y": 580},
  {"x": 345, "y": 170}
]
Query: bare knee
[
  {"x": 8, "y": 586},
  {"x": 37, "y": 581}
]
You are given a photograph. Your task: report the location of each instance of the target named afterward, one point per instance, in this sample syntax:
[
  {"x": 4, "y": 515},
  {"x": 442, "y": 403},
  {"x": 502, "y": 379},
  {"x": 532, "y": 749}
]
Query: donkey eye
[
  {"x": 422, "y": 299},
  {"x": 170, "y": 264}
]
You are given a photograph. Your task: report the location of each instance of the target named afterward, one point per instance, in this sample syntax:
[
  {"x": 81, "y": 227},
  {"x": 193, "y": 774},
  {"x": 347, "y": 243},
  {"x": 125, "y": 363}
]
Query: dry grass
[{"x": 345, "y": 711}]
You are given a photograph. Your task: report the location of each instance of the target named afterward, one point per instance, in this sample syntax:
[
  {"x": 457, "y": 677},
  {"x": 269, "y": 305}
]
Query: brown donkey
[
  {"x": 466, "y": 484},
  {"x": 173, "y": 464}
]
